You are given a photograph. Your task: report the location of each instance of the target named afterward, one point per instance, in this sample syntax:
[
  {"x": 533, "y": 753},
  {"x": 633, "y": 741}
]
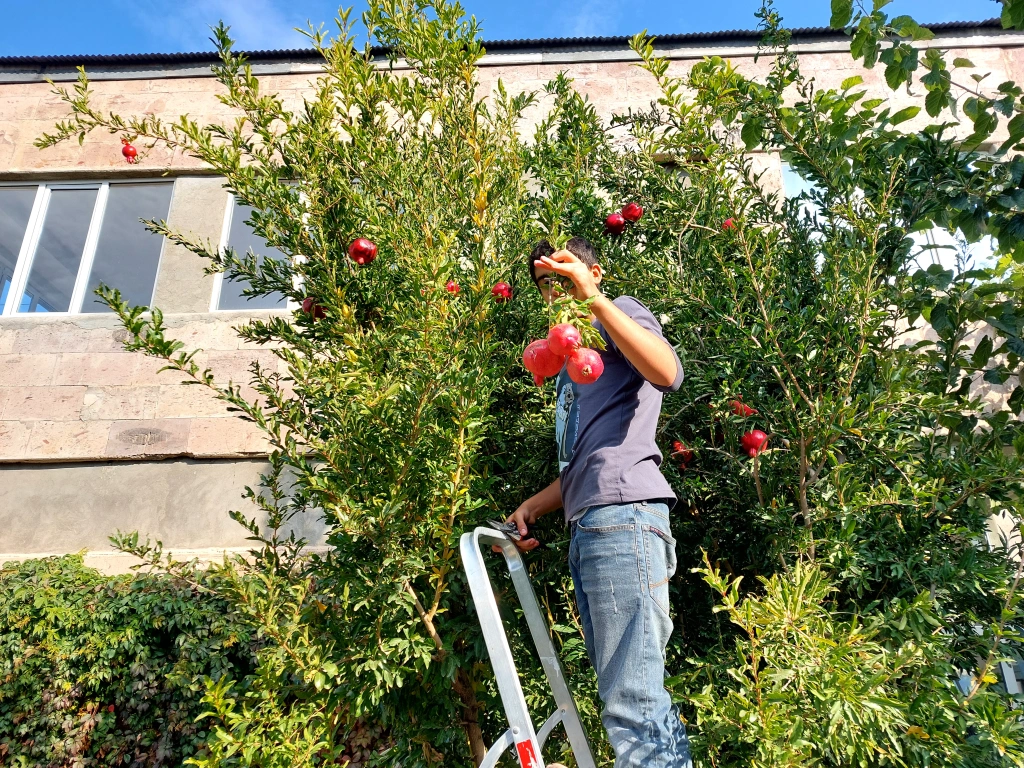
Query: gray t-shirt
[{"x": 605, "y": 431}]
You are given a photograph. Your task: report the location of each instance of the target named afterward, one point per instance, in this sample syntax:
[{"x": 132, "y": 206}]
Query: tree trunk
[{"x": 463, "y": 686}]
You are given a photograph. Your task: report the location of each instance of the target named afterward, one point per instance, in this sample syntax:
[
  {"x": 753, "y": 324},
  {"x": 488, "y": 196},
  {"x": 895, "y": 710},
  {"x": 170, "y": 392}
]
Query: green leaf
[
  {"x": 907, "y": 113},
  {"x": 982, "y": 353},
  {"x": 936, "y": 101},
  {"x": 959, "y": 61},
  {"x": 842, "y": 13},
  {"x": 850, "y": 82},
  {"x": 1016, "y": 400},
  {"x": 751, "y": 133}
]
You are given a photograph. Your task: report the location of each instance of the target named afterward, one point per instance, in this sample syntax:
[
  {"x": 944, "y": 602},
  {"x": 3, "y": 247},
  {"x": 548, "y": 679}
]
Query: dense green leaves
[{"x": 102, "y": 671}]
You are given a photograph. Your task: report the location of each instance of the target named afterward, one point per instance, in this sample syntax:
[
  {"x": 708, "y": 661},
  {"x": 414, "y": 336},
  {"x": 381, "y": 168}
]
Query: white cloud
[
  {"x": 591, "y": 19},
  {"x": 185, "y": 25}
]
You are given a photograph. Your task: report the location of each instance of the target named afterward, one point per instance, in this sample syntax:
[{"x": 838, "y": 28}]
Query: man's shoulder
[{"x": 630, "y": 304}]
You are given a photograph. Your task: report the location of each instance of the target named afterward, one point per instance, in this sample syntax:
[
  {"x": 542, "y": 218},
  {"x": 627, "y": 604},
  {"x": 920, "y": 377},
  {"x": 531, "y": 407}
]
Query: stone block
[
  {"x": 115, "y": 403},
  {"x": 27, "y": 370},
  {"x": 137, "y": 438},
  {"x": 96, "y": 369},
  {"x": 188, "y": 401},
  {"x": 224, "y": 437},
  {"x": 67, "y": 440},
  {"x": 147, "y": 371},
  {"x": 237, "y": 367},
  {"x": 42, "y": 403},
  {"x": 48, "y": 337},
  {"x": 98, "y": 340},
  {"x": 209, "y": 332},
  {"x": 14, "y": 439}
]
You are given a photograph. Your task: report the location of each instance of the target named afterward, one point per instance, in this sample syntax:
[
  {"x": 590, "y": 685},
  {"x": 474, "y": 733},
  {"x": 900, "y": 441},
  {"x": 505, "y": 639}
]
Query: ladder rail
[{"x": 528, "y": 742}]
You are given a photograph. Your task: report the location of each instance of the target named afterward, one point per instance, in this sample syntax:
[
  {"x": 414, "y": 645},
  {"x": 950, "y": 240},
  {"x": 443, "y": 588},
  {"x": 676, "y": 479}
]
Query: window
[
  {"x": 59, "y": 242},
  {"x": 239, "y": 236}
]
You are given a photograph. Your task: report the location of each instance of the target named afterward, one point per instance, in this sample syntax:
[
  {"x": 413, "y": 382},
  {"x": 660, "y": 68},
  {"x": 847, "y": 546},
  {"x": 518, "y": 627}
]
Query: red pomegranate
[
  {"x": 728, "y": 224},
  {"x": 131, "y": 154},
  {"x": 452, "y": 287},
  {"x": 501, "y": 292},
  {"x": 540, "y": 360},
  {"x": 680, "y": 451},
  {"x": 585, "y": 366},
  {"x": 741, "y": 409},
  {"x": 753, "y": 442},
  {"x": 614, "y": 224},
  {"x": 564, "y": 339},
  {"x": 538, "y": 380},
  {"x": 632, "y": 212},
  {"x": 362, "y": 251},
  {"x": 310, "y": 307}
]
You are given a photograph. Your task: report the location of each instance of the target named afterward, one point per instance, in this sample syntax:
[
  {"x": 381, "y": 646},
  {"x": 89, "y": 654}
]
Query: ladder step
[
  {"x": 549, "y": 726},
  {"x": 497, "y": 749}
]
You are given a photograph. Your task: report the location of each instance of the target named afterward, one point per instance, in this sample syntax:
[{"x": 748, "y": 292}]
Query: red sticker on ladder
[{"x": 527, "y": 758}]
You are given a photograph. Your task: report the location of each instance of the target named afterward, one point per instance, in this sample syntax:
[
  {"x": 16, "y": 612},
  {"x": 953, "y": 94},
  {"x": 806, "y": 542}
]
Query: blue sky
[{"x": 144, "y": 26}]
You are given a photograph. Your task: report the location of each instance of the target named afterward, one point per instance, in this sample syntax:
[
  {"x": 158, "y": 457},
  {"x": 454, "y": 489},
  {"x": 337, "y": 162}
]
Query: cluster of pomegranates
[
  {"x": 563, "y": 346},
  {"x": 615, "y": 224},
  {"x": 752, "y": 442}
]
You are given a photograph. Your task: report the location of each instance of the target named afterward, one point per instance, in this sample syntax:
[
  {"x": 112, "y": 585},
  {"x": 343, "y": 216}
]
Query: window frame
[
  {"x": 232, "y": 206},
  {"x": 34, "y": 231}
]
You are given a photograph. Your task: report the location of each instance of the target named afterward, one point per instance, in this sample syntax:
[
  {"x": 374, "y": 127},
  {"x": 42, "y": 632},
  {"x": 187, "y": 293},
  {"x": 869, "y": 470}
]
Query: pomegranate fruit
[
  {"x": 501, "y": 292},
  {"x": 753, "y": 442},
  {"x": 131, "y": 154},
  {"x": 362, "y": 251},
  {"x": 564, "y": 339},
  {"x": 614, "y": 224},
  {"x": 452, "y": 287},
  {"x": 310, "y": 307},
  {"x": 728, "y": 224},
  {"x": 585, "y": 366},
  {"x": 741, "y": 409},
  {"x": 632, "y": 212},
  {"x": 680, "y": 451},
  {"x": 538, "y": 380},
  {"x": 540, "y": 360}
]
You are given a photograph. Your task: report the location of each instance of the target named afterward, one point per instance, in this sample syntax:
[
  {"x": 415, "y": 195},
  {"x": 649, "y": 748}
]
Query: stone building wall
[{"x": 94, "y": 439}]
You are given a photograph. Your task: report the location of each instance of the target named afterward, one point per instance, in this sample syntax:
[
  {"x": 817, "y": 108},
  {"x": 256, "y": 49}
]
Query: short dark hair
[{"x": 577, "y": 246}]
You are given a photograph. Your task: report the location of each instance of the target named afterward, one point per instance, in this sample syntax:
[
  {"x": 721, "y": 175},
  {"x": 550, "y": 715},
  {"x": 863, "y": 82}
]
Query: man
[{"x": 616, "y": 503}]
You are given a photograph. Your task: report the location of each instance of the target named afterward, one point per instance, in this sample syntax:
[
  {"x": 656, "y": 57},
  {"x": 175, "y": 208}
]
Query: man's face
[{"x": 552, "y": 285}]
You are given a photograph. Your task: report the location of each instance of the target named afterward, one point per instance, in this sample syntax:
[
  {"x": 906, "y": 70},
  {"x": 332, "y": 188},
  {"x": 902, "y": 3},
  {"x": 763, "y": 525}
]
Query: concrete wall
[
  {"x": 93, "y": 438},
  {"x": 59, "y": 508}
]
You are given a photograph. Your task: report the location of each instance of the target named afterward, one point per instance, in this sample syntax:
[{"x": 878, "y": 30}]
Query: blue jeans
[{"x": 621, "y": 557}]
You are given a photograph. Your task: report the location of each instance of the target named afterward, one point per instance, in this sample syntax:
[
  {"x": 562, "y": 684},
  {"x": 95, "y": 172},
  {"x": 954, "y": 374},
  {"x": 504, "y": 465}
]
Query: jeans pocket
[{"x": 661, "y": 564}]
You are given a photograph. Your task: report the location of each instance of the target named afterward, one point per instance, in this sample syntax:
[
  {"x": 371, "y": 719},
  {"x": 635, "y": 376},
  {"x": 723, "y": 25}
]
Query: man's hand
[
  {"x": 568, "y": 265},
  {"x": 522, "y": 518}
]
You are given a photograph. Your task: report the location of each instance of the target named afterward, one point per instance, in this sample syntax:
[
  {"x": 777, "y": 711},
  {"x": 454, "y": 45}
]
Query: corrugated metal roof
[{"x": 491, "y": 45}]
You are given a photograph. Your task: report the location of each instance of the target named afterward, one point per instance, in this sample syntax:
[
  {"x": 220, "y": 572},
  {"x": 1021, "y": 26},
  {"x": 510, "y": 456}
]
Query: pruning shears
[{"x": 509, "y": 529}]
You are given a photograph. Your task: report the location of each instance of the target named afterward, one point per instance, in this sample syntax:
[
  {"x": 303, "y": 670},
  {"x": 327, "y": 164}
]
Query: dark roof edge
[{"x": 292, "y": 54}]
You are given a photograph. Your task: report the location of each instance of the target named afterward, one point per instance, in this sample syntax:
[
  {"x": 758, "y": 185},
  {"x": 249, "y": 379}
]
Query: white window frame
[
  {"x": 34, "y": 231},
  {"x": 218, "y": 282}
]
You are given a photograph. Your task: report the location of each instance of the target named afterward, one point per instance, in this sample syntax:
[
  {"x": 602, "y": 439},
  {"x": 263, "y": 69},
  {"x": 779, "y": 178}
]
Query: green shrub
[{"x": 98, "y": 670}]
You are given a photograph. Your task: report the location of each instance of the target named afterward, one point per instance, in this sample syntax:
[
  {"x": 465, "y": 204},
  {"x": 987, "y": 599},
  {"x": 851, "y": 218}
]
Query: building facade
[{"x": 94, "y": 439}]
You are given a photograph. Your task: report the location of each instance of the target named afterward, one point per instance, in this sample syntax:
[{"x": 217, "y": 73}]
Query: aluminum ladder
[{"x": 521, "y": 733}]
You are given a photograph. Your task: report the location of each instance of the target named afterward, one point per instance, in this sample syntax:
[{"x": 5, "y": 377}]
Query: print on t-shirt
[{"x": 567, "y": 418}]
